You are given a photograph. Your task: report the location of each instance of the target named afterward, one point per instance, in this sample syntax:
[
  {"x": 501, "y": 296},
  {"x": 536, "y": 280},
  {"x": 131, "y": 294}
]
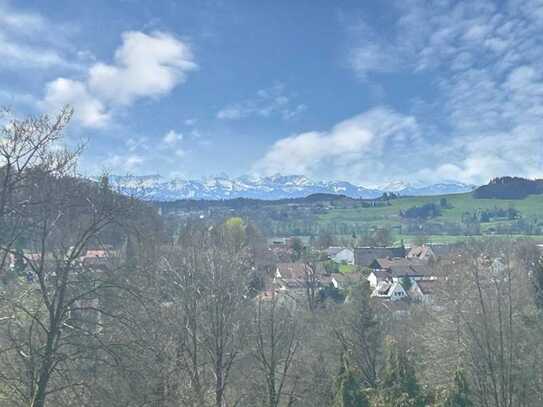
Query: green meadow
[{"x": 530, "y": 208}]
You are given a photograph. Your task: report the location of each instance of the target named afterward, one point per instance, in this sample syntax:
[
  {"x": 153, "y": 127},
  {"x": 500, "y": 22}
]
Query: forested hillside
[{"x": 509, "y": 188}]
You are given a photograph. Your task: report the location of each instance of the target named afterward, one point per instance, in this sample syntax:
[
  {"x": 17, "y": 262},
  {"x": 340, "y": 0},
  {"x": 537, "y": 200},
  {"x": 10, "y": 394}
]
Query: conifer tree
[
  {"x": 19, "y": 263},
  {"x": 348, "y": 390},
  {"x": 400, "y": 386}
]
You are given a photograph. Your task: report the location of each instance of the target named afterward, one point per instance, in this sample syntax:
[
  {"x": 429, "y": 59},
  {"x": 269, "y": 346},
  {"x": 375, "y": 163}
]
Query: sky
[{"x": 363, "y": 91}]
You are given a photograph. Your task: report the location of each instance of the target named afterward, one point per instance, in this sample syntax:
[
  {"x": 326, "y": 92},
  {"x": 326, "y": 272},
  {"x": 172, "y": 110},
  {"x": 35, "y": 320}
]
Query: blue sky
[{"x": 363, "y": 91}]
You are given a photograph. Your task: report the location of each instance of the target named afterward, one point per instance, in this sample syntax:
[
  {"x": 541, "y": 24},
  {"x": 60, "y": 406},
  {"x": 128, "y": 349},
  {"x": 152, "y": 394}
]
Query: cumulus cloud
[
  {"x": 90, "y": 110},
  {"x": 266, "y": 102},
  {"x": 356, "y": 145},
  {"x": 145, "y": 65}
]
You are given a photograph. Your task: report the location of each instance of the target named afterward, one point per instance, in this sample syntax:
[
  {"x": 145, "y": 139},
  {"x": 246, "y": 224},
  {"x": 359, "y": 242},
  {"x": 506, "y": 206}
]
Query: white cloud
[
  {"x": 266, "y": 102},
  {"x": 124, "y": 163},
  {"x": 146, "y": 65},
  {"x": 357, "y": 145},
  {"x": 485, "y": 58},
  {"x": 171, "y": 138},
  {"x": 90, "y": 111}
]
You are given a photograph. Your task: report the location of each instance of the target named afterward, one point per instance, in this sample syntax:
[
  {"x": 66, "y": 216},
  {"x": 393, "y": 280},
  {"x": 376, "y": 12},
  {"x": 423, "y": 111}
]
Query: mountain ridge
[{"x": 157, "y": 188}]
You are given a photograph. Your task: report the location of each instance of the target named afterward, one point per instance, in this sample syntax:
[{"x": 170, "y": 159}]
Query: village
[{"x": 395, "y": 274}]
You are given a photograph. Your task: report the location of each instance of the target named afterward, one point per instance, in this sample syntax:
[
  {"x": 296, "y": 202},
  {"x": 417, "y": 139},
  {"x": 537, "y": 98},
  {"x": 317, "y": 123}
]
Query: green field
[{"x": 530, "y": 208}]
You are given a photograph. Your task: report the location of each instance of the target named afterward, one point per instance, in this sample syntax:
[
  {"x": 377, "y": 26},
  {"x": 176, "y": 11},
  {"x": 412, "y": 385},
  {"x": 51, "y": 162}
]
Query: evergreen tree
[
  {"x": 130, "y": 253},
  {"x": 400, "y": 387},
  {"x": 19, "y": 263},
  {"x": 348, "y": 390}
]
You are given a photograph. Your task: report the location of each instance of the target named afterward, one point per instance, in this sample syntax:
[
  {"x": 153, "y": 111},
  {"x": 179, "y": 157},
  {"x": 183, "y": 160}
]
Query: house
[
  {"x": 339, "y": 280},
  {"x": 340, "y": 255},
  {"x": 292, "y": 275},
  {"x": 391, "y": 269},
  {"x": 402, "y": 278},
  {"x": 99, "y": 259},
  {"x": 392, "y": 290},
  {"x": 364, "y": 256},
  {"x": 423, "y": 252},
  {"x": 423, "y": 291},
  {"x": 432, "y": 251}
]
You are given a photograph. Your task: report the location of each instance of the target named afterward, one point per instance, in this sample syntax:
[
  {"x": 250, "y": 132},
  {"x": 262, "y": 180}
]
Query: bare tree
[
  {"x": 51, "y": 318},
  {"x": 277, "y": 339},
  {"x": 486, "y": 322},
  {"x": 207, "y": 273},
  {"x": 311, "y": 285},
  {"x": 26, "y": 146}
]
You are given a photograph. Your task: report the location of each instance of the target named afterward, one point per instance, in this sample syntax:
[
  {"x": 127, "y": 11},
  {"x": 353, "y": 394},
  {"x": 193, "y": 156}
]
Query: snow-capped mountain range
[{"x": 157, "y": 188}]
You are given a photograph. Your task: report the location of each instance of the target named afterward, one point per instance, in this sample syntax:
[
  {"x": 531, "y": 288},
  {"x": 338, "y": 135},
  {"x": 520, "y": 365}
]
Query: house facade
[
  {"x": 391, "y": 290},
  {"x": 401, "y": 278},
  {"x": 398, "y": 269},
  {"x": 423, "y": 291}
]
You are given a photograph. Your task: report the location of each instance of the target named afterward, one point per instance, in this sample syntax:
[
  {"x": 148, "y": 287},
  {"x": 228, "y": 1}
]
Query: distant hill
[
  {"x": 509, "y": 188},
  {"x": 157, "y": 188},
  {"x": 245, "y": 203}
]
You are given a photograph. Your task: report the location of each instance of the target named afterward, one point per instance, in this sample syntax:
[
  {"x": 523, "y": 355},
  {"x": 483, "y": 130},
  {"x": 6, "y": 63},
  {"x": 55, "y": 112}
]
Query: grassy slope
[{"x": 461, "y": 203}]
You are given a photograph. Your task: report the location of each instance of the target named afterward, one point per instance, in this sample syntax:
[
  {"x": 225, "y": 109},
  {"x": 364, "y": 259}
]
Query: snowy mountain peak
[{"x": 154, "y": 187}]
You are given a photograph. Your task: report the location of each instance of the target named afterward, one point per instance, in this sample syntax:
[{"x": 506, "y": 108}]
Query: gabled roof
[
  {"x": 426, "y": 286},
  {"x": 388, "y": 262},
  {"x": 400, "y": 267},
  {"x": 432, "y": 250},
  {"x": 387, "y": 288},
  {"x": 363, "y": 256},
  {"x": 294, "y": 275},
  {"x": 292, "y": 270},
  {"x": 420, "y": 252}
]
